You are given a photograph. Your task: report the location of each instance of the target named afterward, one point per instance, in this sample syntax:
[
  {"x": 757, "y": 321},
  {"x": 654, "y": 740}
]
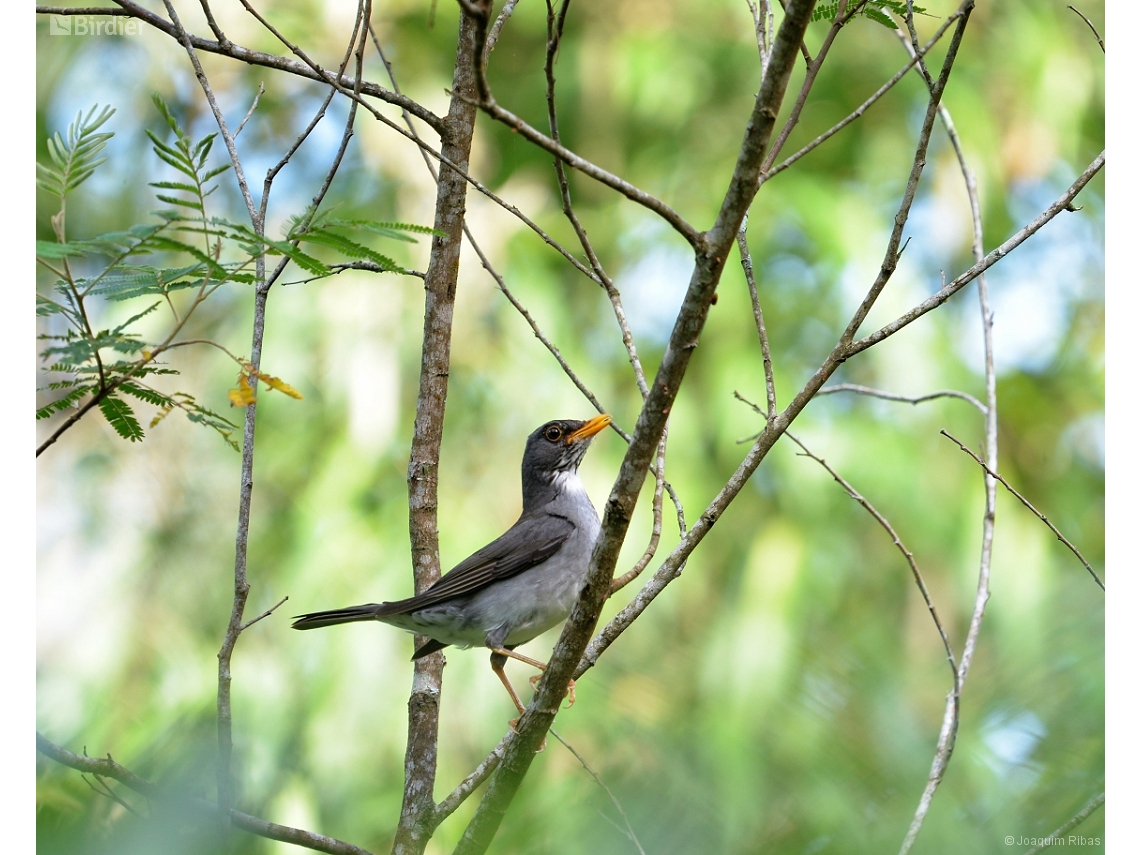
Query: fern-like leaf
[
  {"x": 61, "y": 404},
  {"x": 74, "y": 159},
  {"x": 122, "y": 418}
]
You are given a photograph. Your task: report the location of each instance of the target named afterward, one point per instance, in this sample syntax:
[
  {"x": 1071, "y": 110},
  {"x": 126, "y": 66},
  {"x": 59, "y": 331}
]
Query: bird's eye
[{"x": 553, "y": 433}]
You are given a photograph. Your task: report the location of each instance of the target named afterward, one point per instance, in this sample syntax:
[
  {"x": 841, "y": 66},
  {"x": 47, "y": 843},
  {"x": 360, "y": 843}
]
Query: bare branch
[
  {"x": 862, "y": 108},
  {"x": 991, "y": 258},
  {"x": 263, "y": 615},
  {"x": 469, "y": 784},
  {"x": 108, "y": 768},
  {"x": 711, "y": 256},
  {"x": 655, "y": 534},
  {"x": 440, "y": 285},
  {"x": 252, "y": 107},
  {"x": 1100, "y": 42},
  {"x": 1079, "y": 817},
  {"x": 1001, "y": 479},
  {"x": 486, "y": 102},
  {"x": 841, "y": 18},
  {"x": 891, "y": 257},
  {"x": 897, "y": 541},
  {"x": 504, "y": 15},
  {"x": 105, "y": 790},
  {"x": 628, "y": 830},
  {"x": 84, "y": 11},
  {"x": 892, "y": 396},
  {"x": 952, "y": 713},
  {"x": 758, "y": 318},
  {"x": 267, "y": 60},
  {"x": 675, "y": 562}
]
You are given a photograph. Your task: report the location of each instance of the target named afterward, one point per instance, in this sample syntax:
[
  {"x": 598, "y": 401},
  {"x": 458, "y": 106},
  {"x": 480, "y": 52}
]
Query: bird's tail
[{"x": 351, "y": 614}]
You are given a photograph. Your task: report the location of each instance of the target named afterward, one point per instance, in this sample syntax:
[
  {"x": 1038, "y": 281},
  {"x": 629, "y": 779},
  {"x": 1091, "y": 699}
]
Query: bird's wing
[{"x": 528, "y": 542}]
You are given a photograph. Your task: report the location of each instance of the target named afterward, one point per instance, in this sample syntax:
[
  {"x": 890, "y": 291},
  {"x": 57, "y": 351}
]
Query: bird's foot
[
  {"x": 570, "y": 695},
  {"x": 513, "y": 723}
]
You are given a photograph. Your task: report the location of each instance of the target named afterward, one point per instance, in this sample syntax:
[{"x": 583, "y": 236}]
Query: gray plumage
[{"x": 521, "y": 584}]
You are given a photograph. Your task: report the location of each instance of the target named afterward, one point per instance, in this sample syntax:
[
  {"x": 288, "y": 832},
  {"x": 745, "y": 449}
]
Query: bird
[{"x": 522, "y": 583}]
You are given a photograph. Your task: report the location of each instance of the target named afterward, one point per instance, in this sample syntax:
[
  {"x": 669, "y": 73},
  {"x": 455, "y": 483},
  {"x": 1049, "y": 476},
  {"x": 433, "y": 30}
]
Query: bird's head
[{"x": 556, "y": 447}]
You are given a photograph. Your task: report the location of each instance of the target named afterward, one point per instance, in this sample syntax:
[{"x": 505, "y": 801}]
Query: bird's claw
[
  {"x": 513, "y": 724},
  {"x": 570, "y": 695}
]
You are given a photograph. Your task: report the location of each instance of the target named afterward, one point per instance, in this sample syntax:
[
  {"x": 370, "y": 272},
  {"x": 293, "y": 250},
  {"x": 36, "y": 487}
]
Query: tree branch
[
  {"x": 711, "y": 256},
  {"x": 252, "y": 57},
  {"x": 952, "y": 712},
  {"x": 1084, "y": 813},
  {"x": 998, "y": 477},
  {"x": 906, "y": 399},
  {"x": 897, "y": 541},
  {"x": 108, "y": 768},
  {"x": 440, "y": 284},
  {"x": 990, "y": 259}
]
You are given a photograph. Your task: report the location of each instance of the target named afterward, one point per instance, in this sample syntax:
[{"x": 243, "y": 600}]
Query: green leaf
[
  {"x": 75, "y": 158},
  {"x": 166, "y": 114},
  {"x": 876, "y": 15},
  {"x": 145, "y": 394},
  {"x": 123, "y": 283},
  {"x": 45, "y": 307},
  {"x": 63, "y": 403},
  {"x": 174, "y": 200},
  {"x": 351, "y": 248},
  {"x": 49, "y": 249},
  {"x": 174, "y": 185},
  {"x": 121, "y": 418},
  {"x": 216, "y": 270},
  {"x": 173, "y": 159}
]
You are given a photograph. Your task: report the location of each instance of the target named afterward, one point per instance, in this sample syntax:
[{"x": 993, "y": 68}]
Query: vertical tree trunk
[{"x": 423, "y": 468}]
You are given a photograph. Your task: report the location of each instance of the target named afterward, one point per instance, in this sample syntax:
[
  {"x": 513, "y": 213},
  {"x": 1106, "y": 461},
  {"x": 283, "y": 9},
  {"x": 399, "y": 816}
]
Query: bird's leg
[
  {"x": 498, "y": 660},
  {"x": 541, "y": 666}
]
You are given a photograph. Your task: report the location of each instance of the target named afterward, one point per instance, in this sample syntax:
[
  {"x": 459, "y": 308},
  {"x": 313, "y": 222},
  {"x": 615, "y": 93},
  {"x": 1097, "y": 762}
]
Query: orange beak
[{"x": 595, "y": 425}]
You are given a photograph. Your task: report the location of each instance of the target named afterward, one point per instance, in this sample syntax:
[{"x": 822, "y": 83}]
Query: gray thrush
[{"x": 519, "y": 585}]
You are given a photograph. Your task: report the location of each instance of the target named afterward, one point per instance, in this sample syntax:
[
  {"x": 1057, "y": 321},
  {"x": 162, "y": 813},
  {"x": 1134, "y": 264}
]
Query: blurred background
[{"x": 785, "y": 694}]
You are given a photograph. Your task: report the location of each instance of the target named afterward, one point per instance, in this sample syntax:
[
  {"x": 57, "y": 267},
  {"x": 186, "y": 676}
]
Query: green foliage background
[{"x": 785, "y": 694}]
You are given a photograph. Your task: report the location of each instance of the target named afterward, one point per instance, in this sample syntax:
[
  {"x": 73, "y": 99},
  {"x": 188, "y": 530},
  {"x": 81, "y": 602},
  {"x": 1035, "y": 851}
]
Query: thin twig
[
  {"x": 655, "y": 534},
  {"x": 906, "y": 399},
  {"x": 1001, "y": 479},
  {"x": 504, "y": 15},
  {"x": 469, "y": 784},
  {"x": 555, "y": 25},
  {"x": 897, "y": 541},
  {"x": 104, "y": 790},
  {"x": 108, "y": 768},
  {"x": 628, "y": 830},
  {"x": 1057, "y": 837},
  {"x": 241, "y": 583},
  {"x": 252, "y": 57},
  {"x": 991, "y": 258},
  {"x": 213, "y": 25},
  {"x": 1100, "y": 41},
  {"x": 758, "y": 318},
  {"x": 84, "y": 11},
  {"x": 263, "y": 615},
  {"x": 862, "y": 108},
  {"x": 952, "y": 713},
  {"x": 674, "y": 563},
  {"x": 841, "y": 17},
  {"x": 252, "y": 107},
  {"x": 893, "y": 251},
  {"x": 478, "y": 14}
]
